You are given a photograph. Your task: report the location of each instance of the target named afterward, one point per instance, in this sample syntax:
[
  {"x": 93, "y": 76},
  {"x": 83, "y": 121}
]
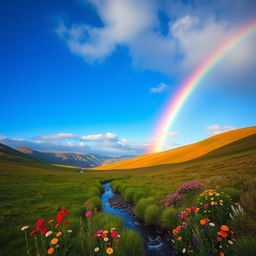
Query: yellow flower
[
  {"x": 50, "y": 250},
  {"x": 109, "y": 250},
  {"x": 212, "y": 203},
  {"x": 210, "y": 194},
  {"x": 54, "y": 241},
  {"x": 113, "y": 229},
  {"x": 221, "y": 201},
  {"x": 212, "y": 198},
  {"x": 59, "y": 234},
  {"x": 217, "y": 194}
]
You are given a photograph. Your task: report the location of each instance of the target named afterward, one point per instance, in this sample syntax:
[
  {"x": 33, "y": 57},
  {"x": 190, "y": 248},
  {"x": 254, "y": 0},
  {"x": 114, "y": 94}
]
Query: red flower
[
  {"x": 51, "y": 221},
  {"x": 206, "y": 205},
  {"x": 60, "y": 218},
  {"x": 67, "y": 223},
  {"x": 57, "y": 225},
  {"x": 34, "y": 231},
  {"x": 44, "y": 230},
  {"x": 40, "y": 223},
  {"x": 114, "y": 234},
  {"x": 63, "y": 212}
]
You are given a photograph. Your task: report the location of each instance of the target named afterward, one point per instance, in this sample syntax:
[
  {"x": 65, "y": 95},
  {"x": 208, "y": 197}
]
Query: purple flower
[{"x": 189, "y": 186}]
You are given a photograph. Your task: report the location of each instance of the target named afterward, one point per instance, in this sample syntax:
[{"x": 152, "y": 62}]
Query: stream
[{"x": 154, "y": 243}]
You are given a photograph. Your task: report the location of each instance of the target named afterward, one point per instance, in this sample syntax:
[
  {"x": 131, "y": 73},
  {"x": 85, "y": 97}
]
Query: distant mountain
[
  {"x": 184, "y": 153},
  {"x": 84, "y": 160}
]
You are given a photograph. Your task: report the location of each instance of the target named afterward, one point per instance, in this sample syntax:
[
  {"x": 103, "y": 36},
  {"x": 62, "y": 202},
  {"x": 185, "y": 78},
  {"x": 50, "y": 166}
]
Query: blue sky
[{"x": 94, "y": 76}]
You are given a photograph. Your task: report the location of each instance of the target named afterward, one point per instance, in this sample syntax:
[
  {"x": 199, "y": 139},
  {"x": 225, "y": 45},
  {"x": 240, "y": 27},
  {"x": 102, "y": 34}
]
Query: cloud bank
[
  {"x": 217, "y": 129},
  {"x": 174, "y": 45}
]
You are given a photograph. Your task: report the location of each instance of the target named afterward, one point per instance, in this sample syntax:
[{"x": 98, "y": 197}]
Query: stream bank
[{"x": 155, "y": 243}]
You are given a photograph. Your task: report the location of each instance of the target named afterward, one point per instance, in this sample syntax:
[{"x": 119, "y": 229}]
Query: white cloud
[
  {"x": 217, "y": 129},
  {"x": 159, "y": 88},
  {"x": 100, "y": 137},
  {"x": 58, "y": 136},
  {"x": 194, "y": 31}
]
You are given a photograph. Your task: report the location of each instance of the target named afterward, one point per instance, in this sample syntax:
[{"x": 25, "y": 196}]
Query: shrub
[
  {"x": 152, "y": 213},
  {"x": 141, "y": 206},
  {"x": 168, "y": 218},
  {"x": 138, "y": 194},
  {"x": 131, "y": 243},
  {"x": 93, "y": 191},
  {"x": 245, "y": 246},
  {"x": 215, "y": 205},
  {"x": 189, "y": 187},
  {"x": 107, "y": 221},
  {"x": 172, "y": 200},
  {"x": 128, "y": 194}
]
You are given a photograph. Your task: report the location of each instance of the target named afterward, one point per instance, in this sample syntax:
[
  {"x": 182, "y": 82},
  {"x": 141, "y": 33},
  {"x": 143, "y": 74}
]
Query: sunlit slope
[{"x": 184, "y": 153}]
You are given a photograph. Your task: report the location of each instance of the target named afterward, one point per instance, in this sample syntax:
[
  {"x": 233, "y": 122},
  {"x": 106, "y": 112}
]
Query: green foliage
[
  {"x": 152, "y": 213},
  {"x": 107, "y": 221},
  {"x": 233, "y": 192},
  {"x": 245, "y": 246},
  {"x": 95, "y": 202},
  {"x": 141, "y": 206},
  {"x": 138, "y": 194},
  {"x": 168, "y": 218},
  {"x": 128, "y": 194},
  {"x": 131, "y": 243}
]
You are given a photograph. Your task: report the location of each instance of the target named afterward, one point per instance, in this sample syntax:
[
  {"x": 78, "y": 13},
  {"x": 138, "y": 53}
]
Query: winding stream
[{"x": 154, "y": 243}]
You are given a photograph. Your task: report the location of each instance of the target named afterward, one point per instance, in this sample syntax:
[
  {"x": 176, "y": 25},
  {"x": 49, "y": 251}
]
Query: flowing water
[{"x": 154, "y": 243}]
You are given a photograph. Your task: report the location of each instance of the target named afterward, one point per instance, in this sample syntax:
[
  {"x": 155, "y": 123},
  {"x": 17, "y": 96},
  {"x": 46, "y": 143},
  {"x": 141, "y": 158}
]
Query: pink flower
[
  {"x": 206, "y": 205},
  {"x": 88, "y": 214},
  {"x": 86, "y": 202},
  {"x": 100, "y": 231},
  {"x": 114, "y": 234}
]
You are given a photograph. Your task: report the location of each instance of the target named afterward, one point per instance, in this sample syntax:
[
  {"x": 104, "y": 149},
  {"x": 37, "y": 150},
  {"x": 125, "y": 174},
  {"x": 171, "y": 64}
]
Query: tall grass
[
  {"x": 142, "y": 205},
  {"x": 245, "y": 246},
  {"x": 169, "y": 218},
  {"x": 151, "y": 215}
]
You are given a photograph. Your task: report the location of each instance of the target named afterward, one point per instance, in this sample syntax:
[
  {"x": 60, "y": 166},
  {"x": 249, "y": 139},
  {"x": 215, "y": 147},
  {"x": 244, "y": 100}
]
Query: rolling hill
[
  {"x": 184, "y": 153},
  {"x": 84, "y": 160}
]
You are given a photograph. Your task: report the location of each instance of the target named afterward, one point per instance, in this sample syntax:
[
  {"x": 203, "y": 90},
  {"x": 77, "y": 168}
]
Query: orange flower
[
  {"x": 202, "y": 222},
  {"x": 179, "y": 238},
  {"x": 58, "y": 234},
  {"x": 54, "y": 241},
  {"x": 223, "y": 234},
  {"x": 50, "y": 250},
  {"x": 224, "y": 228},
  {"x": 221, "y": 254},
  {"x": 109, "y": 250}
]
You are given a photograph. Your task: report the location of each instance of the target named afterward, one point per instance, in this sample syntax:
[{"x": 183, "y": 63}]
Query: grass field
[{"x": 30, "y": 190}]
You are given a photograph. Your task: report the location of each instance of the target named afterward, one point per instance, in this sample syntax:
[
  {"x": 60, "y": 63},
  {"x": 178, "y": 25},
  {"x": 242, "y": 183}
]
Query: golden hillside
[{"x": 184, "y": 153}]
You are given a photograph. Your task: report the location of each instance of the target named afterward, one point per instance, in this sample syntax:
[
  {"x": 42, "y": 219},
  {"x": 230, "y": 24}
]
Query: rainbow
[{"x": 176, "y": 102}]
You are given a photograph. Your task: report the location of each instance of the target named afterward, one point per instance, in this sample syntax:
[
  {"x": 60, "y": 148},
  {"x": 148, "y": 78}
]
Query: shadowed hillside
[{"x": 184, "y": 153}]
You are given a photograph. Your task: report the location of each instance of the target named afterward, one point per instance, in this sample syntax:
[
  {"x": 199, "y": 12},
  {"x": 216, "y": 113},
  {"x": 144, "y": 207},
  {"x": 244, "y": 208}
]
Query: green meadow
[{"x": 30, "y": 190}]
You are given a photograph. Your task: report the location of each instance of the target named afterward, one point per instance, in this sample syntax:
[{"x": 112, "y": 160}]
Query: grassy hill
[{"x": 184, "y": 153}]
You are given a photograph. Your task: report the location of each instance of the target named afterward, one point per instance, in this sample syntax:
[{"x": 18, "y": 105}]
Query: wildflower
[
  {"x": 109, "y": 250},
  {"x": 40, "y": 223},
  {"x": 67, "y": 223},
  {"x": 224, "y": 228},
  {"x": 51, "y": 221},
  {"x": 230, "y": 242},
  {"x": 54, "y": 241},
  {"x": 86, "y": 202},
  {"x": 219, "y": 239},
  {"x": 96, "y": 249},
  {"x": 88, "y": 214},
  {"x": 113, "y": 229},
  {"x": 212, "y": 224},
  {"x": 217, "y": 194},
  {"x": 48, "y": 233},
  {"x": 221, "y": 254},
  {"x": 100, "y": 231},
  {"x": 70, "y": 231},
  {"x": 57, "y": 225},
  {"x": 206, "y": 205},
  {"x": 24, "y": 228},
  {"x": 212, "y": 198},
  {"x": 60, "y": 218},
  {"x": 58, "y": 234},
  {"x": 34, "y": 231},
  {"x": 50, "y": 250},
  {"x": 223, "y": 234},
  {"x": 179, "y": 238},
  {"x": 210, "y": 194},
  {"x": 63, "y": 212},
  {"x": 105, "y": 231},
  {"x": 114, "y": 234},
  {"x": 44, "y": 230},
  {"x": 183, "y": 250},
  {"x": 212, "y": 203},
  {"x": 105, "y": 239}
]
